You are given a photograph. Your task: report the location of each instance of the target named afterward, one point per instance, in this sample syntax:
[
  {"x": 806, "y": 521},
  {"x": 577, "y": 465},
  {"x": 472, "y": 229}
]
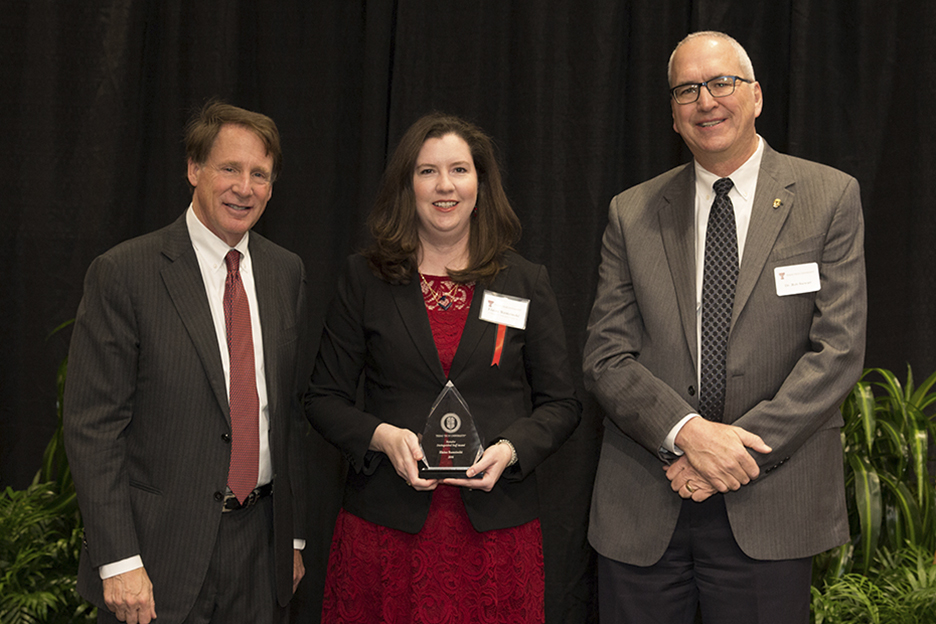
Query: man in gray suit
[
  {"x": 723, "y": 511},
  {"x": 188, "y": 497}
]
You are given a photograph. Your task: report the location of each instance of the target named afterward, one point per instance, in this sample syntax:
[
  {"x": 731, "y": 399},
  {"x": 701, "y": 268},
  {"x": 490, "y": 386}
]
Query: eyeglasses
[{"x": 720, "y": 87}]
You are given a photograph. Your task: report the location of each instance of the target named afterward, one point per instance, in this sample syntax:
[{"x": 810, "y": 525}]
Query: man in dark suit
[
  {"x": 188, "y": 497},
  {"x": 727, "y": 328}
]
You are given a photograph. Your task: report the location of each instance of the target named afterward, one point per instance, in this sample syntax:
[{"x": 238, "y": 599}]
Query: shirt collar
[
  {"x": 208, "y": 245},
  {"x": 744, "y": 177}
]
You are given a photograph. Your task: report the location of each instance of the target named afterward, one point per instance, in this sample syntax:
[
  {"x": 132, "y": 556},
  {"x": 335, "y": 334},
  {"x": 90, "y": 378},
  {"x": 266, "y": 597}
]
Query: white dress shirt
[
  {"x": 210, "y": 251},
  {"x": 742, "y": 200}
]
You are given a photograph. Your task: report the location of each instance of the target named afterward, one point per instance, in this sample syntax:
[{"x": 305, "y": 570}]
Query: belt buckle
[
  {"x": 224, "y": 505},
  {"x": 251, "y": 498},
  {"x": 249, "y": 501}
]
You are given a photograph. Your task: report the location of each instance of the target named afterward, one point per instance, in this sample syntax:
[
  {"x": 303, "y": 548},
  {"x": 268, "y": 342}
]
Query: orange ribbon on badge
[{"x": 499, "y": 344}]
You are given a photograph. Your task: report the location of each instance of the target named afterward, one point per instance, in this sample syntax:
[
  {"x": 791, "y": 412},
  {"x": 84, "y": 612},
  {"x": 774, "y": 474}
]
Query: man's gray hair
[{"x": 744, "y": 60}]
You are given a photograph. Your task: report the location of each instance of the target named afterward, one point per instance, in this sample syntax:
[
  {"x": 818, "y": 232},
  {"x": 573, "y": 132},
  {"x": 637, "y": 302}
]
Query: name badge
[
  {"x": 797, "y": 279},
  {"x": 504, "y": 310}
]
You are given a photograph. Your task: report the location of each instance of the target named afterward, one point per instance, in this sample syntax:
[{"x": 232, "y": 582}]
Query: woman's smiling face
[{"x": 445, "y": 185}]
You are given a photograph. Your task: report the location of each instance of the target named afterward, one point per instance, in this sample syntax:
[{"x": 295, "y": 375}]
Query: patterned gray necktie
[{"x": 719, "y": 279}]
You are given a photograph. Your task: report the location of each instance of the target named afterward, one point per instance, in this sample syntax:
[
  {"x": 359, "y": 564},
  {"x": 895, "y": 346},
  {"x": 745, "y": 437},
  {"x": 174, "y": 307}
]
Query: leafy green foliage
[
  {"x": 39, "y": 547},
  {"x": 889, "y": 490},
  {"x": 886, "y": 573},
  {"x": 40, "y": 540},
  {"x": 900, "y": 588}
]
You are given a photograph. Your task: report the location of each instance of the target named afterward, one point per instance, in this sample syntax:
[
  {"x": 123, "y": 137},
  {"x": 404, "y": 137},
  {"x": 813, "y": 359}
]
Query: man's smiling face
[
  {"x": 234, "y": 184},
  {"x": 719, "y": 131}
]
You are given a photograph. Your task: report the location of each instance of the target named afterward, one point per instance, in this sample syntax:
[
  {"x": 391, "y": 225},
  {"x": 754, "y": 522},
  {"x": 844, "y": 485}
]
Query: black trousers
[
  {"x": 703, "y": 567},
  {"x": 239, "y": 584}
]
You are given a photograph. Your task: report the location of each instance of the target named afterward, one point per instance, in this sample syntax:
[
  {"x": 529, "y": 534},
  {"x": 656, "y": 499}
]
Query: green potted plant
[
  {"x": 891, "y": 504},
  {"x": 40, "y": 540},
  {"x": 900, "y": 588}
]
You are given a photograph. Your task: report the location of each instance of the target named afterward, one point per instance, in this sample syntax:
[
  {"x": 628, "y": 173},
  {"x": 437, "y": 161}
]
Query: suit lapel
[
  {"x": 677, "y": 226},
  {"x": 774, "y": 182},
  {"x": 183, "y": 281},
  {"x": 412, "y": 309},
  {"x": 268, "y": 299},
  {"x": 476, "y": 330},
  {"x": 409, "y": 303}
]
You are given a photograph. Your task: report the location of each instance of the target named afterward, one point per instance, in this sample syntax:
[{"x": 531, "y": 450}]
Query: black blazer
[
  {"x": 382, "y": 331},
  {"x": 147, "y": 425}
]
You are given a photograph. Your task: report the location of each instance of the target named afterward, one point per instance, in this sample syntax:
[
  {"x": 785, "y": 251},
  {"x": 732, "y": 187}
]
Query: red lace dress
[{"x": 448, "y": 572}]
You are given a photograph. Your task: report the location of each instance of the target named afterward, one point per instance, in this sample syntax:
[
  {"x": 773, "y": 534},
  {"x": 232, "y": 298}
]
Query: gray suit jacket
[
  {"x": 147, "y": 425},
  {"x": 791, "y": 359}
]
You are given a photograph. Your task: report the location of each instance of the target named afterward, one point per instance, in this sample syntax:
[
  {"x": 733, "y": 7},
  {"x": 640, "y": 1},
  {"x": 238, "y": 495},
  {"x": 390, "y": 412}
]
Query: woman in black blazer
[{"x": 407, "y": 315}]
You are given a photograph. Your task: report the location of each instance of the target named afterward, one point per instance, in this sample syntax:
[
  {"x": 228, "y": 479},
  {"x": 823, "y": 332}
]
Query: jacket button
[
  {"x": 226, "y": 437},
  {"x": 219, "y": 496},
  {"x": 691, "y": 391}
]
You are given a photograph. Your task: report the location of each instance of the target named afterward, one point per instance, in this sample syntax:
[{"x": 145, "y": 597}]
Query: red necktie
[{"x": 245, "y": 405}]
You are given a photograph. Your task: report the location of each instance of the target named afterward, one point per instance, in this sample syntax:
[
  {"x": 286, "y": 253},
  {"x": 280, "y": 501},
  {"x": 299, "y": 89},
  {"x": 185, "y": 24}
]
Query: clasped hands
[
  {"x": 403, "y": 448},
  {"x": 715, "y": 459}
]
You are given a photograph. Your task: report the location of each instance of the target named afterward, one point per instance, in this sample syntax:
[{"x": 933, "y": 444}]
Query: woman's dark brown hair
[{"x": 393, "y": 222}]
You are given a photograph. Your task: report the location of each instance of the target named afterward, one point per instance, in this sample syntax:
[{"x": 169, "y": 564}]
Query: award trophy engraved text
[{"x": 450, "y": 441}]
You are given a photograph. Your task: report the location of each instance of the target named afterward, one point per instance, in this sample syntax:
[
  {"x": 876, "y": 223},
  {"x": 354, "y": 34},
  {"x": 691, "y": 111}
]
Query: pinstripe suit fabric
[{"x": 146, "y": 412}]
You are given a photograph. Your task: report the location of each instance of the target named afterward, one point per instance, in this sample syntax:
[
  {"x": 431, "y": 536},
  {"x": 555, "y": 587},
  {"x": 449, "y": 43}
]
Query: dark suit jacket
[
  {"x": 147, "y": 425},
  {"x": 791, "y": 359},
  {"x": 383, "y": 331}
]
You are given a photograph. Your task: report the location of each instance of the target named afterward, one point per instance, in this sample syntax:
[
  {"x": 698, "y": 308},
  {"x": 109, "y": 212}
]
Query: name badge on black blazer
[
  {"x": 504, "y": 310},
  {"x": 450, "y": 442}
]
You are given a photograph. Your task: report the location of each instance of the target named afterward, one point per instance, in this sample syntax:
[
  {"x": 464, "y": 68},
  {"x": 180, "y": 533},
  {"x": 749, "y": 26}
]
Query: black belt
[{"x": 232, "y": 504}]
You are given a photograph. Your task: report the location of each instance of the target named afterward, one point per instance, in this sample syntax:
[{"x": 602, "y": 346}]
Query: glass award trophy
[{"x": 450, "y": 441}]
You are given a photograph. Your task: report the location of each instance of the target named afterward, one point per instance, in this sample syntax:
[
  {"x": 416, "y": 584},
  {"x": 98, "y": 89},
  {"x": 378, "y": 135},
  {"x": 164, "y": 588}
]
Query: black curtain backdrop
[{"x": 95, "y": 94}]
